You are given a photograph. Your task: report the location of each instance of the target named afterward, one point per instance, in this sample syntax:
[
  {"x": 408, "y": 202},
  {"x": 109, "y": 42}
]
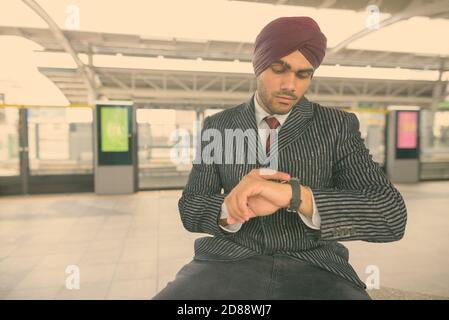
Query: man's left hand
[{"x": 258, "y": 196}]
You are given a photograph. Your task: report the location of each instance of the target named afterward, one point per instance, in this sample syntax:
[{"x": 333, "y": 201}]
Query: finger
[
  {"x": 250, "y": 214},
  {"x": 274, "y": 175},
  {"x": 244, "y": 202},
  {"x": 231, "y": 220},
  {"x": 243, "y": 206},
  {"x": 236, "y": 213},
  {"x": 268, "y": 172},
  {"x": 230, "y": 209}
]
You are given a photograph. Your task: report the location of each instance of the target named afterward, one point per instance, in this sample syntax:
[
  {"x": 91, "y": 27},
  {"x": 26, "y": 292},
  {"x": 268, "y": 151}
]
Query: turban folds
[{"x": 284, "y": 35}]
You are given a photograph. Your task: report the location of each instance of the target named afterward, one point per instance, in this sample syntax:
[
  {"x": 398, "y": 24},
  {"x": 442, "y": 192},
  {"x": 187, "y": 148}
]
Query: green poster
[{"x": 114, "y": 129}]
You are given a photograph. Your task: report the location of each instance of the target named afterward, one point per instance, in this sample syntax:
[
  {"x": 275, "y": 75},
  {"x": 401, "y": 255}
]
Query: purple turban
[{"x": 284, "y": 35}]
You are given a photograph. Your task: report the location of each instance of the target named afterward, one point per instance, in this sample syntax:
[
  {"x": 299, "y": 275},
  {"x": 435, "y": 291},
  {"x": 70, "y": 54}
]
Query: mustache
[{"x": 287, "y": 94}]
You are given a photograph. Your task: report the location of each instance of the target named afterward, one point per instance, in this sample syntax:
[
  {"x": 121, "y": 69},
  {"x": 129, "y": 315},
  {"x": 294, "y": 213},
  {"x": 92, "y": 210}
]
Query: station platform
[{"x": 130, "y": 246}]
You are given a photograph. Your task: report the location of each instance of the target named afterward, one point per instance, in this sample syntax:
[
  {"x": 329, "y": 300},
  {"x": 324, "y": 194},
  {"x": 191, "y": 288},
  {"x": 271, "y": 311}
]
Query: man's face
[{"x": 283, "y": 83}]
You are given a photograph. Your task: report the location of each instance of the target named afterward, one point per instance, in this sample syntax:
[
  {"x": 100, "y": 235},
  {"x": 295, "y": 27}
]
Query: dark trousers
[{"x": 259, "y": 277}]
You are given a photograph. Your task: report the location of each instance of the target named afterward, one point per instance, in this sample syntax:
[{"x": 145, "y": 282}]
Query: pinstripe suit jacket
[{"x": 321, "y": 146}]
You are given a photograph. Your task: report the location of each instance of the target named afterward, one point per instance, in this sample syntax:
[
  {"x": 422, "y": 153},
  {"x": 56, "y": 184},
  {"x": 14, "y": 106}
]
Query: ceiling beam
[
  {"x": 415, "y": 8},
  {"x": 87, "y": 72}
]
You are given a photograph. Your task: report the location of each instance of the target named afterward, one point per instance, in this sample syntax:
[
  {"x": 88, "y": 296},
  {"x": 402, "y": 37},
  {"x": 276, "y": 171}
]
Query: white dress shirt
[{"x": 263, "y": 129}]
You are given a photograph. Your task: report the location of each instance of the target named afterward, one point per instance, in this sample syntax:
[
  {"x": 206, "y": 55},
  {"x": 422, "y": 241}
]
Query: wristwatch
[{"x": 296, "y": 195}]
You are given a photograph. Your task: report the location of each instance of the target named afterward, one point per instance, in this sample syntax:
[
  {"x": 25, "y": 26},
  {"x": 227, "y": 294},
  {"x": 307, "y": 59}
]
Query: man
[{"x": 275, "y": 232}]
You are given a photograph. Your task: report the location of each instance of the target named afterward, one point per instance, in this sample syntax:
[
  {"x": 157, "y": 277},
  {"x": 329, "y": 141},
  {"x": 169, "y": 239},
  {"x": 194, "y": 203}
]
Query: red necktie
[{"x": 273, "y": 123}]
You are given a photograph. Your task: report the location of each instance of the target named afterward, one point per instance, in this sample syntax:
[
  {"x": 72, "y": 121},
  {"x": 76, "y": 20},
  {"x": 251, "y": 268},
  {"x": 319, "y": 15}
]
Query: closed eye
[
  {"x": 280, "y": 67},
  {"x": 304, "y": 74}
]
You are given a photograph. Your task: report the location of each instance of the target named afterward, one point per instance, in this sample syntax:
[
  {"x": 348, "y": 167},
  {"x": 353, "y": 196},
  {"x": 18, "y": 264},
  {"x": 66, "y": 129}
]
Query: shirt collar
[{"x": 261, "y": 114}]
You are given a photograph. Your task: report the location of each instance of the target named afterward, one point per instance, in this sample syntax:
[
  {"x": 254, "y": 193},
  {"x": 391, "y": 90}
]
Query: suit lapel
[
  {"x": 295, "y": 125},
  {"x": 297, "y": 122},
  {"x": 246, "y": 119}
]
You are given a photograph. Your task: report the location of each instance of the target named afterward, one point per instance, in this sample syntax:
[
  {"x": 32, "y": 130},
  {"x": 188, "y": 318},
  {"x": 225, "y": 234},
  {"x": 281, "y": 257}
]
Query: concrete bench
[{"x": 385, "y": 293}]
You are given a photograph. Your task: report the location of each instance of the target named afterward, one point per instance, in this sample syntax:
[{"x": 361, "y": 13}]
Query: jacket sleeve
[
  {"x": 363, "y": 205},
  {"x": 201, "y": 200}
]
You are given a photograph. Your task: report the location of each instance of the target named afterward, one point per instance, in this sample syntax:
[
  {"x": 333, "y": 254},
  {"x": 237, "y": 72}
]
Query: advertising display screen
[
  {"x": 407, "y": 130},
  {"x": 407, "y": 135},
  {"x": 115, "y": 142},
  {"x": 114, "y": 129}
]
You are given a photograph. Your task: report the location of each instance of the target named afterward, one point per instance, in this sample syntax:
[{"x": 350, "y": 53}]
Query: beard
[{"x": 271, "y": 104}]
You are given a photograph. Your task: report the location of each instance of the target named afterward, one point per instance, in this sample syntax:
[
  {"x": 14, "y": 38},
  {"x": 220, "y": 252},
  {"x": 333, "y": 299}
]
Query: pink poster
[{"x": 407, "y": 130}]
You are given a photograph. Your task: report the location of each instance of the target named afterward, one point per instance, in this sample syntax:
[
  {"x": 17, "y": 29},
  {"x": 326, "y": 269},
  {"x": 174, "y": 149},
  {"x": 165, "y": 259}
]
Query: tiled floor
[
  {"x": 129, "y": 247},
  {"x": 124, "y": 246}
]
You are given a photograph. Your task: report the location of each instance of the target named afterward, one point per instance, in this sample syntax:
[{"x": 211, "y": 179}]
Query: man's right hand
[{"x": 238, "y": 203}]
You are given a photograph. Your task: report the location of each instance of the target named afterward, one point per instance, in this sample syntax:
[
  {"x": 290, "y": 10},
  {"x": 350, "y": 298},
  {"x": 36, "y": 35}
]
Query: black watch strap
[{"x": 296, "y": 195}]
